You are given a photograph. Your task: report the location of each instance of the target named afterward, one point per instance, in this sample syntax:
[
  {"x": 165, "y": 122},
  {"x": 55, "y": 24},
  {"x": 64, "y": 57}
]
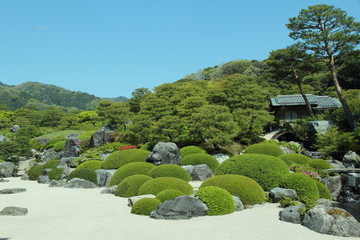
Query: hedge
[
  {"x": 218, "y": 200},
  {"x": 185, "y": 151},
  {"x": 169, "y": 194},
  {"x": 145, "y": 206},
  {"x": 130, "y": 186},
  {"x": 91, "y": 164},
  {"x": 295, "y": 158},
  {"x": 129, "y": 170},
  {"x": 84, "y": 173},
  {"x": 170, "y": 170},
  {"x": 156, "y": 185},
  {"x": 200, "y": 158},
  {"x": 119, "y": 158},
  {"x": 265, "y": 148}
]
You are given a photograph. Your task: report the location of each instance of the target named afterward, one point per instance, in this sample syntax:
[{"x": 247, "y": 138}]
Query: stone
[
  {"x": 286, "y": 150},
  {"x": 103, "y": 176},
  {"x": 7, "y": 169},
  {"x": 291, "y": 214},
  {"x": 238, "y": 204},
  {"x": 336, "y": 164},
  {"x": 44, "y": 141},
  {"x": 109, "y": 190},
  {"x": 134, "y": 199},
  {"x": 49, "y": 154},
  {"x": 99, "y": 138},
  {"x": 182, "y": 207},
  {"x": 12, "y": 190},
  {"x": 220, "y": 157},
  {"x": 276, "y": 194},
  {"x": 80, "y": 183},
  {"x": 65, "y": 162},
  {"x": 199, "y": 172},
  {"x": 3, "y": 138},
  {"x": 71, "y": 148},
  {"x": 43, "y": 179},
  {"x": 14, "y": 211},
  {"x": 326, "y": 202},
  {"x": 351, "y": 160},
  {"x": 15, "y": 128},
  {"x": 3, "y": 180},
  {"x": 60, "y": 183},
  {"x": 25, "y": 177},
  {"x": 26, "y": 165},
  {"x": 164, "y": 153},
  {"x": 334, "y": 184},
  {"x": 320, "y": 126}
]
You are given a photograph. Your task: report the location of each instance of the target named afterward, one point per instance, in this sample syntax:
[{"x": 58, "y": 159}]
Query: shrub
[
  {"x": 110, "y": 147},
  {"x": 319, "y": 164},
  {"x": 169, "y": 194},
  {"x": 58, "y": 146},
  {"x": 119, "y": 158},
  {"x": 218, "y": 200},
  {"x": 304, "y": 170},
  {"x": 91, "y": 164},
  {"x": 200, "y": 158},
  {"x": 156, "y": 185},
  {"x": 249, "y": 191},
  {"x": 295, "y": 158},
  {"x": 129, "y": 170},
  {"x": 128, "y": 147},
  {"x": 266, "y": 170},
  {"x": 55, "y": 174},
  {"x": 170, "y": 170},
  {"x": 84, "y": 173},
  {"x": 148, "y": 146},
  {"x": 265, "y": 148},
  {"x": 52, "y": 164},
  {"x": 35, "y": 172},
  {"x": 130, "y": 186},
  {"x": 185, "y": 151},
  {"x": 304, "y": 186},
  {"x": 287, "y": 202},
  {"x": 323, "y": 190},
  {"x": 145, "y": 206}
]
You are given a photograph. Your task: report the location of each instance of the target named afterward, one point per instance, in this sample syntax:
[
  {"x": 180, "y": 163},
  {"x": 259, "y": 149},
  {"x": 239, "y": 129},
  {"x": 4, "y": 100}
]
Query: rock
[
  {"x": 134, "y": 199},
  {"x": 320, "y": 126},
  {"x": 7, "y": 169},
  {"x": 326, "y": 202},
  {"x": 182, "y": 207},
  {"x": 71, "y": 148},
  {"x": 238, "y": 204},
  {"x": 109, "y": 190},
  {"x": 60, "y": 183},
  {"x": 276, "y": 194},
  {"x": 99, "y": 138},
  {"x": 45, "y": 171},
  {"x": 336, "y": 164},
  {"x": 44, "y": 141},
  {"x": 334, "y": 184},
  {"x": 199, "y": 172},
  {"x": 103, "y": 176},
  {"x": 12, "y": 190},
  {"x": 286, "y": 150},
  {"x": 351, "y": 160},
  {"x": 66, "y": 172},
  {"x": 43, "y": 179},
  {"x": 220, "y": 157},
  {"x": 3, "y": 138},
  {"x": 65, "y": 162},
  {"x": 24, "y": 166},
  {"x": 291, "y": 214},
  {"x": 15, "y": 128},
  {"x": 25, "y": 177},
  {"x": 3, "y": 180},
  {"x": 164, "y": 153},
  {"x": 80, "y": 183},
  {"x": 49, "y": 154},
  {"x": 14, "y": 211},
  {"x": 332, "y": 221}
]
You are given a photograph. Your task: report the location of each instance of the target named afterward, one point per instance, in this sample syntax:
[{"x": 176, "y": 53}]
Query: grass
[{"x": 63, "y": 134}]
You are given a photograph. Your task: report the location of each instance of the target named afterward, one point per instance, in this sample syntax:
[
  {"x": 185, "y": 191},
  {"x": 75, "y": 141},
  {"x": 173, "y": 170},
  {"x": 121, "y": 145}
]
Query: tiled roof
[{"x": 318, "y": 102}]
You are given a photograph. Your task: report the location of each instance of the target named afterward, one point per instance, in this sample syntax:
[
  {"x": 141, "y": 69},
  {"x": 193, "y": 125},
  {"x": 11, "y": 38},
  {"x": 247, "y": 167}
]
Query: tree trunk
[{"x": 308, "y": 105}]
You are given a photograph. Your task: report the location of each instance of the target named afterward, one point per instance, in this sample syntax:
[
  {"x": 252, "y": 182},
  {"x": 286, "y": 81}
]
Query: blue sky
[{"x": 111, "y": 47}]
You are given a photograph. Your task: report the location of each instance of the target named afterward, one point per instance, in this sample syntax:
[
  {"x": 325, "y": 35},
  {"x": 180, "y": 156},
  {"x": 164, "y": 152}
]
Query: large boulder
[
  {"x": 333, "y": 183},
  {"x": 182, "y": 207},
  {"x": 291, "y": 214},
  {"x": 238, "y": 203},
  {"x": 103, "y": 176},
  {"x": 132, "y": 200},
  {"x": 220, "y": 157},
  {"x": 351, "y": 160},
  {"x": 276, "y": 194},
  {"x": 164, "y": 153},
  {"x": 12, "y": 190},
  {"x": 49, "y": 154},
  {"x": 336, "y": 163},
  {"x": 7, "y": 169},
  {"x": 332, "y": 221},
  {"x": 14, "y": 211},
  {"x": 199, "y": 172},
  {"x": 99, "y": 138},
  {"x": 15, "y": 128},
  {"x": 71, "y": 148},
  {"x": 80, "y": 183}
]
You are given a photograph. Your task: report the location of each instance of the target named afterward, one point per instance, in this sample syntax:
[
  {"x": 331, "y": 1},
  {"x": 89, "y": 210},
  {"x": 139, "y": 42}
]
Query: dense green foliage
[
  {"x": 145, "y": 206},
  {"x": 249, "y": 191},
  {"x": 218, "y": 200},
  {"x": 319, "y": 164},
  {"x": 265, "y": 148},
  {"x": 55, "y": 174},
  {"x": 120, "y": 158},
  {"x": 266, "y": 170},
  {"x": 170, "y": 170},
  {"x": 169, "y": 194},
  {"x": 295, "y": 158},
  {"x": 59, "y": 145},
  {"x": 190, "y": 150},
  {"x": 91, "y": 164},
  {"x": 130, "y": 186},
  {"x": 130, "y": 169},
  {"x": 156, "y": 185},
  {"x": 52, "y": 164},
  {"x": 200, "y": 158},
  {"x": 35, "y": 172},
  {"x": 84, "y": 173},
  {"x": 323, "y": 190}
]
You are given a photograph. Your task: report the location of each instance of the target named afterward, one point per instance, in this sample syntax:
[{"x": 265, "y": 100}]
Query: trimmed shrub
[
  {"x": 200, "y": 158},
  {"x": 266, "y": 170},
  {"x": 249, "y": 191},
  {"x": 55, "y": 174},
  {"x": 119, "y": 158},
  {"x": 185, "y": 151},
  {"x": 52, "y": 164},
  {"x": 91, "y": 164},
  {"x": 319, "y": 164},
  {"x": 156, "y": 185},
  {"x": 323, "y": 190},
  {"x": 145, "y": 206},
  {"x": 84, "y": 173},
  {"x": 129, "y": 170},
  {"x": 218, "y": 200},
  {"x": 304, "y": 186},
  {"x": 170, "y": 170},
  {"x": 130, "y": 186},
  {"x": 265, "y": 148},
  {"x": 295, "y": 158},
  {"x": 35, "y": 172},
  {"x": 169, "y": 194},
  {"x": 58, "y": 146}
]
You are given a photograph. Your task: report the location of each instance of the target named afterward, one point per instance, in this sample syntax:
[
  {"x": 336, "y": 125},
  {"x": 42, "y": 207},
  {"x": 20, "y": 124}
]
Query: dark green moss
[
  {"x": 91, "y": 164},
  {"x": 130, "y": 186},
  {"x": 145, "y": 206},
  {"x": 218, "y": 200},
  {"x": 35, "y": 172},
  {"x": 168, "y": 194},
  {"x": 170, "y": 170},
  {"x": 129, "y": 170},
  {"x": 119, "y": 158},
  {"x": 84, "y": 173},
  {"x": 156, "y": 185}
]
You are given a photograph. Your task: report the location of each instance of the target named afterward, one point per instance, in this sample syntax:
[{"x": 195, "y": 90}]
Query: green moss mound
[
  {"x": 185, "y": 151},
  {"x": 55, "y": 174},
  {"x": 249, "y": 191},
  {"x": 130, "y": 186},
  {"x": 145, "y": 206},
  {"x": 304, "y": 186},
  {"x": 35, "y": 172},
  {"x": 91, "y": 164},
  {"x": 52, "y": 164},
  {"x": 156, "y": 185},
  {"x": 58, "y": 146},
  {"x": 266, "y": 170},
  {"x": 200, "y": 158},
  {"x": 119, "y": 158},
  {"x": 84, "y": 173},
  {"x": 319, "y": 164},
  {"x": 295, "y": 158},
  {"x": 218, "y": 200},
  {"x": 323, "y": 190},
  {"x": 129, "y": 170},
  {"x": 265, "y": 148},
  {"x": 168, "y": 194},
  {"x": 170, "y": 170}
]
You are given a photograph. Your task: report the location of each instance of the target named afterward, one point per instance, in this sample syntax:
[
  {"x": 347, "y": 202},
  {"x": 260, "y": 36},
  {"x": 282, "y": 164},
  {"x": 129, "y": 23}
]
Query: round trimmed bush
[
  {"x": 84, "y": 173},
  {"x": 91, "y": 164},
  {"x": 185, "y": 151},
  {"x": 130, "y": 186},
  {"x": 170, "y": 170},
  {"x": 156, "y": 185},
  {"x": 218, "y": 200},
  {"x": 52, "y": 164},
  {"x": 323, "y": 190},
  {"x": 129, "y": 170},
  {"x": 119, "y": 158},
  {"x": 55, "y": 174},
  {"x": 169, "y": 194},
  {"x": 200, "y": 158},
  {"x": 266, "y": 170},
  {"x": 295, "y": 158},
  {"x": 265, "y": 148},
  {"x": 249, "y": 191},
  {"x": 304, "y": 186},
  {"x": 35, "y": 172},
  {"x": 58, "y": 146},
  {"x": 319, "y": 164},
  {"x": 145, "y": 206}
]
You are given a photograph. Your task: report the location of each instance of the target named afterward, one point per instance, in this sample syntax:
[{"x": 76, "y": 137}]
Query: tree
[
  {"x": 137, "y": 96},
  {"x": 327, "y": 31}
]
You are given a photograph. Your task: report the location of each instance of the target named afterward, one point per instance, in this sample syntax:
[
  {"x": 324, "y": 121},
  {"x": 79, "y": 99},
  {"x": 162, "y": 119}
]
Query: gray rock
[
  {"x": 334, "y": 184},
  {"x": 7, "y": 169},
  {"x": 276, "y": 194},
  {"x": 44, "y": 141},
  {"x": 3, "y": 180},
  {"x": 351, "y": 160},
  {"x": 3, "y": 138},
  {"x": 238, "y": 204},
  {"x": 71, "y": 148},
  {"x": 43, "y": 179},
  {"x": 320, "y": 126},
  {"x": 291, "y": 214},
  {"x": 14, "y": 211},
  {"x": 220, "y": 157},
  {"x": 99, "y": 138},
  {"x": 26, "y": 165},
  {"x": 60, "y": 183},
  {"x": 12, "y": 190},
  {"x": 103, "y": 176},
  {"x": 182, "y": 207},
  {"x": 46, "y": 171},
  {"x": 134, "y": 199},
  {"x": 80, "y": 183},
  {"x": 109, "y": 190},
  {"x": 336, "y": 164},
  {"x": 15, "y": 128},
  {"x": 326, "y": 202},
  {"x": 25, "y": 177},
  {"x": 286, "y": 150},
  {"x": 65, "y": 162},
  {"x": 199, "y": 172},
  {"x": 164, "y": 153},
  {"x": 332, "y": 221},
  {"x": 49, "y": 154}
]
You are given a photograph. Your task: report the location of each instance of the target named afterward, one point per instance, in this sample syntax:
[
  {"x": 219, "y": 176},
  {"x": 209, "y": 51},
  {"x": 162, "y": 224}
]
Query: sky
[{"x": 109, "y": 48}]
